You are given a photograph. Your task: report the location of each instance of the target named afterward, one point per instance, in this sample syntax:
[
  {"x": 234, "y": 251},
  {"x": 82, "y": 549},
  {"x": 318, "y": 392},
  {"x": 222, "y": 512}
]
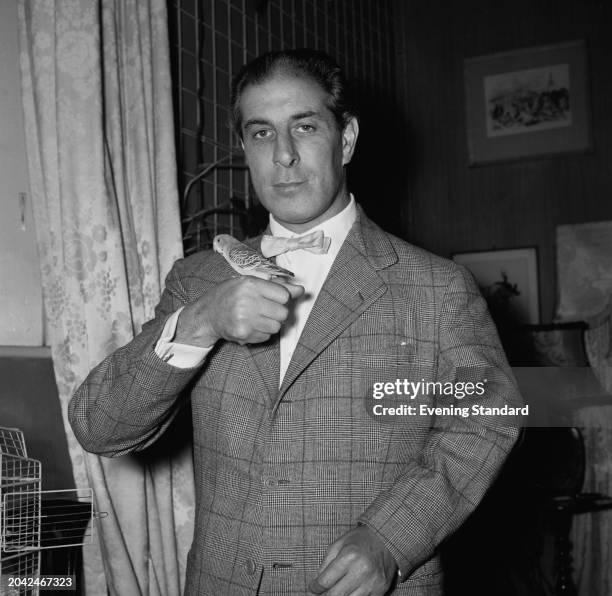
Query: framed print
[
  {"x": 508, "y": 279},
  {"x": 527, "y": 103},
  {"x": 584, "y": 270}
]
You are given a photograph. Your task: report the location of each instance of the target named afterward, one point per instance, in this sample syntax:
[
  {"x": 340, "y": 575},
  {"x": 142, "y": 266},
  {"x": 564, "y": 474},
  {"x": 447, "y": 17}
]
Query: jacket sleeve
[
  {"x": 129, "y": 399},
  {"x": 461, "y": 456}
]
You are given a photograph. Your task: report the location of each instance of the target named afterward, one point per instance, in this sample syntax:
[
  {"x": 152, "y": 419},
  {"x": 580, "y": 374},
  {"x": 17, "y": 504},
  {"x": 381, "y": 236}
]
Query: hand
[
  {"x": 242, "y": 309},
  {"x": 357, "y": 564}
]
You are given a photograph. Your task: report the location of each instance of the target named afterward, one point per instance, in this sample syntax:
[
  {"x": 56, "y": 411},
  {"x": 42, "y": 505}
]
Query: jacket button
[
  {"x": 271, "y": 482},
  {"x": 250, "y": 567}
]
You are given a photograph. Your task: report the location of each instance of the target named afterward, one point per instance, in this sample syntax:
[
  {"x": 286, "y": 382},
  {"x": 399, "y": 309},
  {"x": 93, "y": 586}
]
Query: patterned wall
[{"x": 211, "y": 39}]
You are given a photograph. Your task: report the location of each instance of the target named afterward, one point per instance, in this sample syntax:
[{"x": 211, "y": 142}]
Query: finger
[
  {"x": 348, "y": 585},
  {"x": 364, "y": 590},
  {"x": 330, "y": 555},
  {"x": 277, "y": 290},
  {"x": 327, "y": 579},
  {"x": 273, "y": 310},
  {"x": 295, "y": 290},
  {"x": 256, "y": 337},
  {"x": 316, "y": 588},
  {"x": 342, "y": 587},
  {"x": 266, "y": 288},
  {"x": 355, "y": 583},
  {"x": 241, "y": 328},
  {"x": 265, "y": 325}
]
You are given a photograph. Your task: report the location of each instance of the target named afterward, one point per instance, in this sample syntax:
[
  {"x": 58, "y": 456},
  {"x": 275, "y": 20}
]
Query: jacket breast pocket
[{"x": 378, "y": 358}]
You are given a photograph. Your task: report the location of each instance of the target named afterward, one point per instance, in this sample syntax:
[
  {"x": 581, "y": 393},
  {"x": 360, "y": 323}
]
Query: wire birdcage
[
  {"x": 32, "y": 520},
  {"x": 19, "y": 511}
]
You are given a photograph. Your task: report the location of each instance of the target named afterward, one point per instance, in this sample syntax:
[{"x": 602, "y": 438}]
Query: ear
[{"x": 349, "y": 139}]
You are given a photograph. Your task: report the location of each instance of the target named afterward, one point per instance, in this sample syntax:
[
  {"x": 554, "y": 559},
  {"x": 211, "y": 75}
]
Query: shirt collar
[{"x": 336, "y": 227}]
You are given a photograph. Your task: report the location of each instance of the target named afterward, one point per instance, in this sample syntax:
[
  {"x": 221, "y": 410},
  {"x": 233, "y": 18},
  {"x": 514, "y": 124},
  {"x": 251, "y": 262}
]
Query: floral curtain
[{"x": 100, "y": 147}]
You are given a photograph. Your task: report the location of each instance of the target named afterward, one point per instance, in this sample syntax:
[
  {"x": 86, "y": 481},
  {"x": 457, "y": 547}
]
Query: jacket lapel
[
  {"x": 264, "y": 358},
  {"x": 352, "y": 285},
  {"x": 266, "y": 361}
]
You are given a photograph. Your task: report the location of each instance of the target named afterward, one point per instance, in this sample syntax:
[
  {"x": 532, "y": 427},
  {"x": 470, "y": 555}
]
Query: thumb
[
  {"x": 330, "y": 555},
  {"x": 294, "y": 290},
  {"x": 315, "y": 586}
]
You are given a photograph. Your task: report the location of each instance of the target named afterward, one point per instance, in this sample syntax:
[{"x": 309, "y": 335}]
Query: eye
[
  {"x": 262, "y": 134},
  {"x": 306, "y": 128}
]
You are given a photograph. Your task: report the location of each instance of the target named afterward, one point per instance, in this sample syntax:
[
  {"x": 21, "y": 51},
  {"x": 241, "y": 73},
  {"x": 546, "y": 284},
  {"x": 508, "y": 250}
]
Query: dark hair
[{"x": 315, "y": 64}]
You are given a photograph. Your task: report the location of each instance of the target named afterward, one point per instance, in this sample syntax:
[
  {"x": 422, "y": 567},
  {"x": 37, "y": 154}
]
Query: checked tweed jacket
[{"x": 283, "y": 472}]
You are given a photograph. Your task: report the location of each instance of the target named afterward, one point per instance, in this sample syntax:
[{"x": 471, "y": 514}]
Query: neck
[{"x": 343, "y": 198}]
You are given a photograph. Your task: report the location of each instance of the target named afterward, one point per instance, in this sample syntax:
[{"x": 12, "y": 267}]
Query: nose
[{"x": 285, "y": 152}]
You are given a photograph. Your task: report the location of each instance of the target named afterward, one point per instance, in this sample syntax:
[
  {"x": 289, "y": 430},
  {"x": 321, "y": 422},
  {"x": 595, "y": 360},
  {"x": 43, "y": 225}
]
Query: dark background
[
  {"x": 411, "y": 168},
  {"x": 449, "y": 207}
]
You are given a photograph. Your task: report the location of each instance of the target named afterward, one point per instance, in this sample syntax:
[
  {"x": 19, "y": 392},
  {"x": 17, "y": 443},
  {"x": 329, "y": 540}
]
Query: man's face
[{"x": 295, "y": 151}]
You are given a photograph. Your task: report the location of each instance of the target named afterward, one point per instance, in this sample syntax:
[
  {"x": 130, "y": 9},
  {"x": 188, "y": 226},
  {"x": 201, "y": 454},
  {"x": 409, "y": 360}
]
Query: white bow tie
[{"x": 314, "y": 242}]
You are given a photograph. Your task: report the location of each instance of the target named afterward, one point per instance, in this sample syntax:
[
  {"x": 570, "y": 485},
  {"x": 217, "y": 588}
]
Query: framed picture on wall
[
  {"x": 527, "y": 103},
  {"x": 508, "y": 279},
  {"x": 584, "y": 270}
]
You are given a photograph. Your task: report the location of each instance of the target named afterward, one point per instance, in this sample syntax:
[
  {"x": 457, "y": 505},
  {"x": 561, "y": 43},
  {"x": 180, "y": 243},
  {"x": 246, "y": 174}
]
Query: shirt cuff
[{"x": 176, "y": 354}]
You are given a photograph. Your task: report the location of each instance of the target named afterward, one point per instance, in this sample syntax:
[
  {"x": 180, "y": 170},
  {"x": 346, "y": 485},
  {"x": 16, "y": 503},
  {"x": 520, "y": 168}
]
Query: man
[{"x": 301, "y": 487}]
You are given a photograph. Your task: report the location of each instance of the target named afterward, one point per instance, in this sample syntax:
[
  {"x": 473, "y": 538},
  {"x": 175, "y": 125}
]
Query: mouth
[{"x": 288, "y": 186}]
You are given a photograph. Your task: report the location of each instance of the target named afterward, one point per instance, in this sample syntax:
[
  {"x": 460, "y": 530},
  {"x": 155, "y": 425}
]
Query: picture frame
[
  {"x": 508, "y": 279},
  {"x": 584, "y": 270},
  {"x": 527, "y": 103}
]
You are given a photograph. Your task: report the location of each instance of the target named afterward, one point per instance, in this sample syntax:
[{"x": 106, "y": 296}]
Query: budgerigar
[{"x": 247, "y": 261}]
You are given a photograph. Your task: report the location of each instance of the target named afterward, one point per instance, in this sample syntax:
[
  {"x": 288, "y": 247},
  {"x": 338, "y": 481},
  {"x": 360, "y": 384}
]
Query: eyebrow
[{"x": 293, "y": 117}]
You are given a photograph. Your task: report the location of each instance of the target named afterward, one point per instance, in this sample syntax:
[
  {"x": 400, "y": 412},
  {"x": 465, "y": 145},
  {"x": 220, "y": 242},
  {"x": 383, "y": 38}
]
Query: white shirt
[{"x": 310, "y": 271}]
